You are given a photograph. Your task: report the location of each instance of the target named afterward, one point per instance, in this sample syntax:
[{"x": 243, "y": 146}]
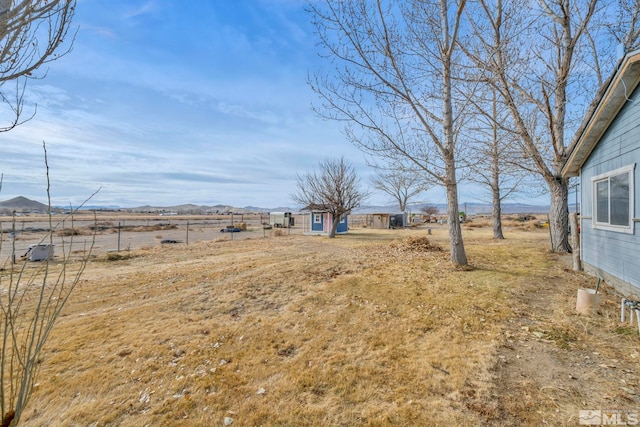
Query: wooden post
[{"x": 575, "y": 241}]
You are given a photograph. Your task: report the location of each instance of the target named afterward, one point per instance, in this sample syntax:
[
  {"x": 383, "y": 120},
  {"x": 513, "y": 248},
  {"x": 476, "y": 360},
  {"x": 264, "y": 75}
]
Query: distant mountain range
[{"x": 24, "y": 205}]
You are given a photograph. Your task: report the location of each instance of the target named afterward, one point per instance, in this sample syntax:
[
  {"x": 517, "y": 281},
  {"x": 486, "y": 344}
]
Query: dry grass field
[{"x": 374, "y": 328}]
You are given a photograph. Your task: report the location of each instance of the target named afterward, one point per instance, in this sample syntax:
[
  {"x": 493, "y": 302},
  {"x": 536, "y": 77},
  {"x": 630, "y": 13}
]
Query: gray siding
[{"x": 615, "y": 253}]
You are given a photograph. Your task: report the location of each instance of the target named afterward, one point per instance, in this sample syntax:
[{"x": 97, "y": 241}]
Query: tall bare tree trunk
[
  {"x": 496, "y": 213},
  {"x": 458, "y": 254},
  {"x": 334, "y": 226},
  {"x": 559, "y": 214}
]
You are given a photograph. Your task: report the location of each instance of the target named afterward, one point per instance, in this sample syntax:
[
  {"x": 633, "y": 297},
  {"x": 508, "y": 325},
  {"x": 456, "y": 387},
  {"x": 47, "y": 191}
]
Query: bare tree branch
[{"x": 32, "y": 34}]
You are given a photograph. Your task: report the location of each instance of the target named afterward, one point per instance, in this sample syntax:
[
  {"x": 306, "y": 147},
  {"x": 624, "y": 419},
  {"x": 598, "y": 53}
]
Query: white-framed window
[
  {"x": 613, "y": 200},
  {"x": 317, "y": 218}
]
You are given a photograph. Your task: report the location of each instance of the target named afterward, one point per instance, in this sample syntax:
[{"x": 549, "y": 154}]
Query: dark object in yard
[
  {"x": 169, "y": 241},
  {"x": 40, "y": 252},
  {"x": 230, "y": 230}
]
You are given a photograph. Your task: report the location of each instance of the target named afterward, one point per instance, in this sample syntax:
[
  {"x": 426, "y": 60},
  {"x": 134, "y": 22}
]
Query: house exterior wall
[{"x": 614, "y": 255}]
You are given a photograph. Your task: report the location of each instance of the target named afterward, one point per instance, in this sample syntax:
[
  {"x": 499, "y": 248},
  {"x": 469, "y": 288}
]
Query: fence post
[
  {"x": 575, "y": 241},
  {"x": 187, "y": 232},
  {"x": 119, "y": 228}
]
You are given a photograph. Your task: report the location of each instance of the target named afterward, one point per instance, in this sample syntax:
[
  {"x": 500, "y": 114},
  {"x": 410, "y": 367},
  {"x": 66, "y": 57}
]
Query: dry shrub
[
  {"x": 278, "y": 232},
  {"x": 102, "y": 226},
  {"x": 478, "y": 224},
  {"x": 119, "y": 256},
  {"x": 113, "y": 228},
  {"x": 416, "y": 244},
  {"x": 107, "y": 224},
  {"x": 67, "y": 232},
  {"x": 530, "y": 225},
  {"x": 156, "y": 227}
]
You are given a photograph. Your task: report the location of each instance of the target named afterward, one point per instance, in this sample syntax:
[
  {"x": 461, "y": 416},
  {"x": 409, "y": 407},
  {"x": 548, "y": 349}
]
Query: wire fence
[{"x": 114, "y": 234}]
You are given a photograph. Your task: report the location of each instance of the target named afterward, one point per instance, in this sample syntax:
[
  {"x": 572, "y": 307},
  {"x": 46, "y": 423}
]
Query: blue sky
[{"x": 165, "y": 102}]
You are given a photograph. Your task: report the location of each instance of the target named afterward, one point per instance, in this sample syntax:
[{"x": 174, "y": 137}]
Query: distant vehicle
[
  {"x": 230, "y": 230},
  {"x": 281, "y": 219}
]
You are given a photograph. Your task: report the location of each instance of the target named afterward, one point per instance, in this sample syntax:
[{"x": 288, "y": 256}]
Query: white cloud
[{"x": 218, "y": 115}]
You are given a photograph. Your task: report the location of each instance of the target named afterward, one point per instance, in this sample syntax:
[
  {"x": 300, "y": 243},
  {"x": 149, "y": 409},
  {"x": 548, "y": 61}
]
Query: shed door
[
  {"x": 317, "y": 222},
  {"x": 342, "y": 226}
]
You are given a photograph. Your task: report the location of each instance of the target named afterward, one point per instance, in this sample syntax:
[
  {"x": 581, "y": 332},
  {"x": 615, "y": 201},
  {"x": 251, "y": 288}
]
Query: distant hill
[
  {"x": 23, "y": 205},
  {"x": 188, "y": 209}
]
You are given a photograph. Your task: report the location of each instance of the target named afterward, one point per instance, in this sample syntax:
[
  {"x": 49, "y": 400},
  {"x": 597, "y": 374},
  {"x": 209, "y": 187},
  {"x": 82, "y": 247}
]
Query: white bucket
[{"x": 587, "y": 302}]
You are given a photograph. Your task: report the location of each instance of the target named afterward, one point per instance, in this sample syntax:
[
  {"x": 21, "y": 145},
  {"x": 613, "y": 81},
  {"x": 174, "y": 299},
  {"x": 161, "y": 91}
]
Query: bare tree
[
  {"x": 393, "y": 83},
  {"x": 400, "y": 184},
  {"x": 430, "y": 212},
  {"x": 30, "y": 303},
  {"x": 334, "y": 189},
  {"x": 543, "y": 60},
  {"x": 32, "y": 33},
  {"x": 625, "y": 27},
  {"x": 496, "y": 162}
]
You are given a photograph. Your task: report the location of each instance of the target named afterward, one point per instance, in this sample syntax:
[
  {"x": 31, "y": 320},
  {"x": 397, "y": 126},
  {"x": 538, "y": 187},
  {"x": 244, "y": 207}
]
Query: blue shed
[
  {"x": 319, "y": 222},
  {"x": 604, "y": 156}
]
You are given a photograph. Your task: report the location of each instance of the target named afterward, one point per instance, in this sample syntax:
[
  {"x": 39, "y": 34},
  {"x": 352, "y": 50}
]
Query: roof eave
[{"x": 623, "y": 83}]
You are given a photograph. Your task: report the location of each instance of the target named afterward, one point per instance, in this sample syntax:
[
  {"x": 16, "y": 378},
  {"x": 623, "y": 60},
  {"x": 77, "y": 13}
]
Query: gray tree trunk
[
  {"x": 559, "y": 215},
  {"x": 458, "y": 254},
  {"x": 496, "y": 213},
  {"x": 334, "y": 226},
  {"x": 496, "y": 209}
]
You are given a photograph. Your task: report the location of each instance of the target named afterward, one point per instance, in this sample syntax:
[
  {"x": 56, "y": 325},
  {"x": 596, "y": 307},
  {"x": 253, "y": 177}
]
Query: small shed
[
  {"x": 318, "y": 222},
  {"x": 604, "y": 157},
  {"x": 281, "y": 219},
  {"x": 387, "y": 220}
]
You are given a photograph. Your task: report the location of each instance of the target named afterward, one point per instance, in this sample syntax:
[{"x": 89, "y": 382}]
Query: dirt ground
[
  {"x": 382, "y": 332},
  {"x": 555, "y": 359},
  {"x": 558, "y": 367}
]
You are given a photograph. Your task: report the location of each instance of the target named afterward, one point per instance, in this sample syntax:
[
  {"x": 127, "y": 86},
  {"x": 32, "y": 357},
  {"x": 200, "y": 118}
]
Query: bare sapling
[{"x": 32, "y": 296}]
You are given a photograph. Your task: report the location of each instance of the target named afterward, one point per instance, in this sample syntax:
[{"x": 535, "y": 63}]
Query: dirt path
[{"x": 555, "y": 359}]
